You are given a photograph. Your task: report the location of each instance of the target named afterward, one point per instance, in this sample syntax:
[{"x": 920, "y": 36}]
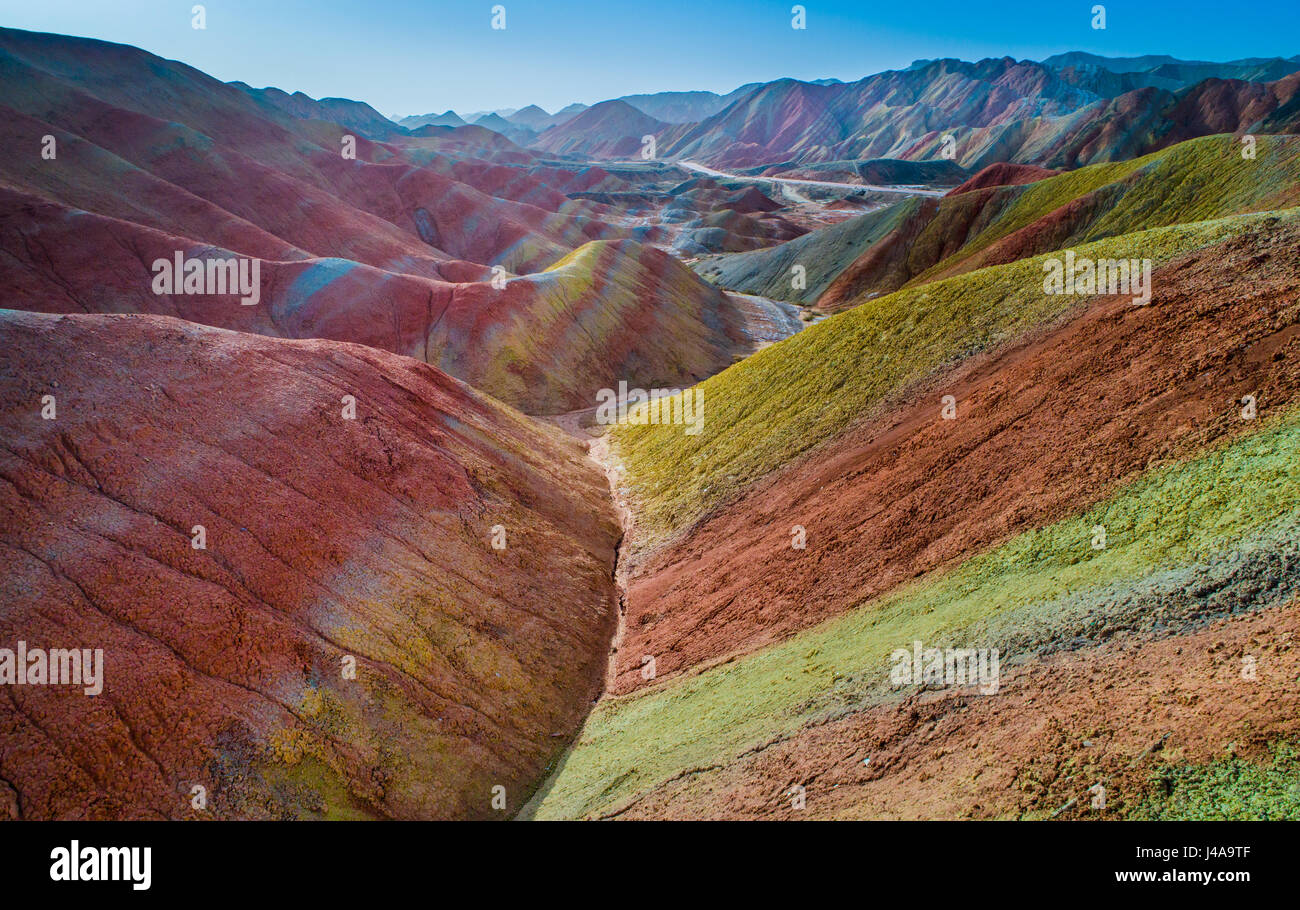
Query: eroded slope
[{"x": 328, "y": 534}]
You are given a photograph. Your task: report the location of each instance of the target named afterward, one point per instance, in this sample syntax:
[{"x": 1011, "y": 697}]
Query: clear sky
[{"x": 406, "y": 57}]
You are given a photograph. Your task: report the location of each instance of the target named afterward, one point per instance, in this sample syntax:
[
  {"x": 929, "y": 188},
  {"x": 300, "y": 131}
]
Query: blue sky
[{"x": 408, "y": 57}]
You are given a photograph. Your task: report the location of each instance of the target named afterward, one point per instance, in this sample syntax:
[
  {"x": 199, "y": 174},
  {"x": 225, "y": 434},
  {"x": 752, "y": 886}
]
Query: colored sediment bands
[
  {"x": 610, "y": 310},
  {"x": 431, "y": 246},
  {"x": 330, "y": 512},
  {"x": 792, "y": 396},
  {"x": 772, "y": 663},
  {"x": 904, "y": 492},
  {"x": 1010, "y": 212},
  {"x": 1231, "y": 510},
  {"x": 990, "y": 111},
  {"x": 225, "y": 666}
]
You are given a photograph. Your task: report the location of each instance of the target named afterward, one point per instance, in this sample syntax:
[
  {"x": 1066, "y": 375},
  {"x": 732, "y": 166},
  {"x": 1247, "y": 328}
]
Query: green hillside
[{"x": 788, "y": 398}]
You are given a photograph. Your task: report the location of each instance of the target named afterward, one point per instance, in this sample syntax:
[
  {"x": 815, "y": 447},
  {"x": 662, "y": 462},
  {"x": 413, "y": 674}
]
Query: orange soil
[{"x": 1057, "y": 727}]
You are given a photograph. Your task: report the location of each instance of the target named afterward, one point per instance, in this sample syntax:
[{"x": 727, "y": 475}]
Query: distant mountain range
[
  {"x": 424, "y": 329},
  {"x": 992, "y": 110},
  {"x": 446, "y": 118},
  {"x": 670, "y": 107},
  {"x": 355, "y": 115},
  {"x": 686, "y": 107},
  {"x": 531, "y": 118},
  {"x": 611, "y": 129},
  {"x": 1065, "y": 111}
]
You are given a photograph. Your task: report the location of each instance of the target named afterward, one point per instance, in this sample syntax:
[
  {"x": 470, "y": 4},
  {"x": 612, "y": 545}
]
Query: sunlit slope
[
  {"x": 1190, "y": 543},
  {"x": 914, "y": 241},
  {"x": 792, "y": 396},
  {"x": 1040, "y": 429},
  {"x": 610, "y": 311},
  {"x": 545, "y": 343},
  {"x": 1196, "y": 180},
  {"x": 823, "y": 256}
]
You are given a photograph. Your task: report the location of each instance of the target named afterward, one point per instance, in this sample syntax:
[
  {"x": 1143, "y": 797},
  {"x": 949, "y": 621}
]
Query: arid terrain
[{"x": 610, "y": 462}]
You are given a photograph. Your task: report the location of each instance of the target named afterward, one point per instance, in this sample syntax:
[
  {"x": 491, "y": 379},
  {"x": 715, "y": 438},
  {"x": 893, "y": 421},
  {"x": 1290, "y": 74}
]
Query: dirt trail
[
  {"x": 578, "y": 423},
  {"x": 599, "y": 452},
  {"x": 769, "y": 321}
]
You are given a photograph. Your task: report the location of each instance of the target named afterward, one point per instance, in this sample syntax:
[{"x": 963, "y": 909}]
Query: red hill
[
  {"x": 327, "y": 541},
  {"x": 611, "y": 129}
]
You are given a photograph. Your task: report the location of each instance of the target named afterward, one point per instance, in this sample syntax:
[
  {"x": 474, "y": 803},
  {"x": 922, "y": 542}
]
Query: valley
[
  {"x": 793, "y": 184},
  {"x": 359, "y": 539}
]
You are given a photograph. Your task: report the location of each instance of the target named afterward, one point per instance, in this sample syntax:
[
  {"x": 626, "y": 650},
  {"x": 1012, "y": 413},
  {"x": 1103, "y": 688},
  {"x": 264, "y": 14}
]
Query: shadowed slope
[
  {"x": 545, "y": 343},
  {"x": 325, "y": 538},
  {"x": 823, "y": 255}
]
